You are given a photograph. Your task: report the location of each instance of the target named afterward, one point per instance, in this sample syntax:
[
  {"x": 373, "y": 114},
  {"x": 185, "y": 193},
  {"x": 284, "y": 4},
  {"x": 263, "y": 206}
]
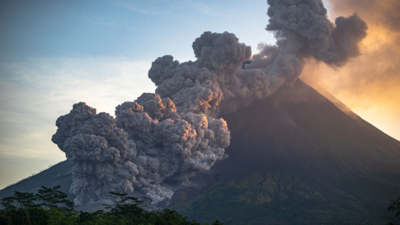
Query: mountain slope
[
  {"x": 59, "y": 174},
  {"x": 294, "y": 158},
  {"x": 297, "y": 158}
]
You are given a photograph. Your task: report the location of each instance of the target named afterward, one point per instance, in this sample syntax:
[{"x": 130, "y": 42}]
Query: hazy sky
[
  {"x": 57, "y": 53},
  {"x": 369, "y": 84}
]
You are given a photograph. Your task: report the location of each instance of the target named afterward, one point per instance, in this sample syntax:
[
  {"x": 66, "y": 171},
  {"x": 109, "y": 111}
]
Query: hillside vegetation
[{"x": 50, "y": 206}]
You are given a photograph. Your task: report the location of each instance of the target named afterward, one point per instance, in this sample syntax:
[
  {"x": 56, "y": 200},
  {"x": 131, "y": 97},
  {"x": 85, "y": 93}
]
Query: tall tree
[
  {"x": 19, "y": 200},
  {"x": 54, "y": 198},
  {"x": 127, "y": 207}
]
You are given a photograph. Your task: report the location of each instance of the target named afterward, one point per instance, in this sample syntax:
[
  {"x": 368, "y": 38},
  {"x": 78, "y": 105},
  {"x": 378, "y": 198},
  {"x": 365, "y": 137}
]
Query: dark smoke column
[
  {"x": 174, "y": 133},
  {"x": 148, "y": 142},
  {"x": 302, "y": 31},
  {"x": 100, "y": 151},
  {"x": 170, "y": 144}
]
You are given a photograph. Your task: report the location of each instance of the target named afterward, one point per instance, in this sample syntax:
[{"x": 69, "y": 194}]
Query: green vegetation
[
  {"x": 394, "y": 207},
  {"x": 51, "y": 206},
  {"x": 272, "y": 198}
]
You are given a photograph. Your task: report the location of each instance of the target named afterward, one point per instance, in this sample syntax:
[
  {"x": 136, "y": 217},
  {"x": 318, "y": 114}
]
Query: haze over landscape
[
  {"x": 41, "y": 90},
  {"x": 370, "y": 84}
]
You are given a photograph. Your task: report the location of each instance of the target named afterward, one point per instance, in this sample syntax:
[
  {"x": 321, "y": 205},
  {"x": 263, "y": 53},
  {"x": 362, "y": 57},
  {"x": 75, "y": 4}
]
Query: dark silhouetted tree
[
  {"x": 54, "y": 198},
  {"x": 19, "y": 216},
  {"x": 38, "y": 215},
  {"x": 19, "y": 200},
  {"x": 394, "y": 207}
]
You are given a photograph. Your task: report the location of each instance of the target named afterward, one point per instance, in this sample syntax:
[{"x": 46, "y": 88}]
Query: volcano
[
  {"x": 294, "y": 158},
  {"x": 297, "y": 158}
]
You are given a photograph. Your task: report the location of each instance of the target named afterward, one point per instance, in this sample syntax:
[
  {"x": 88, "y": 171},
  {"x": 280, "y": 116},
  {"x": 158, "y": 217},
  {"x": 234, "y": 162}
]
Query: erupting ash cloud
[
  {"x": 369, "y": 86},
  {"x": 148, "y": 142},
  {"x": 175, "y": 133}
]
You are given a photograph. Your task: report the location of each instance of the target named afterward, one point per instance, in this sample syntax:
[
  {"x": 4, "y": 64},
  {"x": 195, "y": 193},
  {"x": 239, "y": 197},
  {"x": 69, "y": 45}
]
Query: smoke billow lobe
[
  {"x": 375, "y": 75},
  {"x": 148, "y": 142},
  {"x": 175, "y": 133}
]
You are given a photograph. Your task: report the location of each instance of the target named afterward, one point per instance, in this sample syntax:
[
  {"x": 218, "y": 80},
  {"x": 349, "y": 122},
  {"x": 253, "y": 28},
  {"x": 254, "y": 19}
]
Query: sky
[
  {"x": 57, "y": 53},
  {"x": 370, "y": 83}
]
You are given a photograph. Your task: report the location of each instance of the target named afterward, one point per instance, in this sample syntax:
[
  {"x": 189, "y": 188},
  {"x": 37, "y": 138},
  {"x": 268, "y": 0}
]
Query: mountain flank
[{"x": 294, "y": 158}]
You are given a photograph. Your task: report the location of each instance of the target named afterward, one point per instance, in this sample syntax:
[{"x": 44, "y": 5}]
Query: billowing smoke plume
[
  {"x": 148, "y": 142},
  {"x": 369, "y": 85},
  {"x": 175, "y": 133}
]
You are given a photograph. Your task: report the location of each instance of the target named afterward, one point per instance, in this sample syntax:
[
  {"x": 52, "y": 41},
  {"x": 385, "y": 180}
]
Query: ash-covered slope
[{"x": 296, "y": 158}]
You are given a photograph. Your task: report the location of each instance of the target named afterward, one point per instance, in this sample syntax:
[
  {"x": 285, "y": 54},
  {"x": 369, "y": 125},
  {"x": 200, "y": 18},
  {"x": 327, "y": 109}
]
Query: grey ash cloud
[{"x": 175, "y": 132}]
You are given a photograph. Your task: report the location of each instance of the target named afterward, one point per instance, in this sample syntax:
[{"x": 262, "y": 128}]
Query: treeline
[{"x": 50, "y": 206}]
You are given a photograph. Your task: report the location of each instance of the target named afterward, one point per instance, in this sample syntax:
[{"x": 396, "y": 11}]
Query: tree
[
  {"x": 127, "y": 207},
  {"x": 54, "y": 198},
  {"x": 87, "y": 217},
  {"x": 59, "y": 217},
  {"x": 50, "y": 206},
  {"x": 19, "y": 216},
  {"x": 8, "y": 203},
  {"x": 4, "y": 219},
  {"x": 394, "y": 207},
  {"x": 171, "y": 217},
  {"x": 19, "y": 200},
  {"x": 38, "y": 215}
]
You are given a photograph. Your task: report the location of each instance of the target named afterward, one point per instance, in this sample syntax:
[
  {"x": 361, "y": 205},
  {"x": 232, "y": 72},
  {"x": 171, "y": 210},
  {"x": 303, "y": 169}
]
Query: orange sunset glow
[{"x": 369, "y": 84}]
